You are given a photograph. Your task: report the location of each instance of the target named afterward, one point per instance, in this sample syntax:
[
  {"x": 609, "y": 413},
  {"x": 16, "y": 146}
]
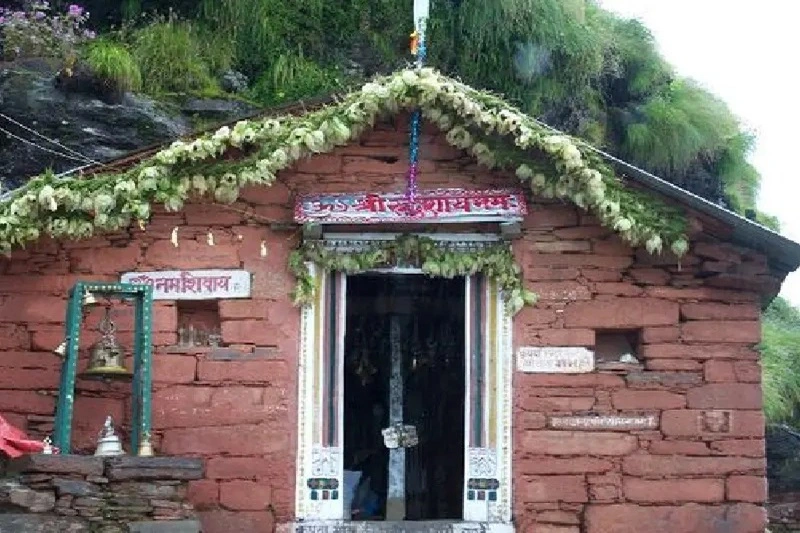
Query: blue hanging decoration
[{"x": 419, "y": 49}]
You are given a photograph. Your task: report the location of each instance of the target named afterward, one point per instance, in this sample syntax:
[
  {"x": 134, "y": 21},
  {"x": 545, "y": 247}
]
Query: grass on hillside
[{"x": 113, "y": 64}]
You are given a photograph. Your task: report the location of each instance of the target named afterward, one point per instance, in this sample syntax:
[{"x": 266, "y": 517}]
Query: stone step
[{"x": 165, "y": 526}]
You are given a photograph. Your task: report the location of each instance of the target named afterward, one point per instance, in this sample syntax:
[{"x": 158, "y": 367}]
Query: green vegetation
[
  {"x": 113, "y": 64},
  {"x": 174, "y": 58},
  {"x": 569, "y": 62},
  {"x": 292, "y": 77},
  {"x": 780, "y": 349}
]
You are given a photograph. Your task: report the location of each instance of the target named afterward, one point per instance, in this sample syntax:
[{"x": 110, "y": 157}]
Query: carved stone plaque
[
  {"x": 572, "y": 360},
  {"x": 716, "y": 421},
  {"x": 604, "y": 422}
]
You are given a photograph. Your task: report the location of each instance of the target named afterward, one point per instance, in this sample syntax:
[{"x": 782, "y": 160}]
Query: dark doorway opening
[{"x": 421, "y": 320}]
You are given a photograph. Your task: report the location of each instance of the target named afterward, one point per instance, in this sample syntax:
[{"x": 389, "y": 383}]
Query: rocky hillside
[
  {"x": 85, "y": 126},
  {"x": 576, "y": 66}
]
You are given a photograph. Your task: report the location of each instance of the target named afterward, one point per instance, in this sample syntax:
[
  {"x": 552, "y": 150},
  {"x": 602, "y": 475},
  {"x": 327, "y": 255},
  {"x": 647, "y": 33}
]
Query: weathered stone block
[
  {"x": 744, "y": 331},
  {"x": 553, "y": 489},
  {"x": 33, "y": 523},
  {"x": 725, "y": 396},
  {"x": 578, "y": 443},
  {"x": 674, "y": 490},
  {"x": 689, "y": 518},
  {"x": 675, "y": 466},
  {"x": 633, "y": 399},
  {"x": 622, "y": 313},
  {"x": 175, "y": 468},
  {"x": 33, "y": 500},
  {"x": 75, "y": 487},
  {"x": 245, "y": 495},
  {"x": 751, "y": 489},
  {"x": 165, "y": 526},
  {"x": 549, "y": 465},
  {"x": 82, "y": 465}
]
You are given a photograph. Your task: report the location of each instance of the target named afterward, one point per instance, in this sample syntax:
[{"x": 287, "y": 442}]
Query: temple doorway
[{"x": 404, "y": 380}]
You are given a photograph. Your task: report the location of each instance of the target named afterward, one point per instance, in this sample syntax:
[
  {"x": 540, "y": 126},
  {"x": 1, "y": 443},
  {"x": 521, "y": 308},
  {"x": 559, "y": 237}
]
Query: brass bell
[{"x": 107, "y": 356}]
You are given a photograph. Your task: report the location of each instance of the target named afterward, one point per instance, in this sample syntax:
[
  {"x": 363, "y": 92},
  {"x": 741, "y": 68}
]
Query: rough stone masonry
[{"x": 701, "y": 469}]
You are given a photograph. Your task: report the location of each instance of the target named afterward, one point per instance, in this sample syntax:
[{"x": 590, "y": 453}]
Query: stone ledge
[
  {"x": 36, "y": 523},
  {"x": 69, "y": 493},
  {"x": 172, "y": 526},
  {"x": 143, "y": 468},
  {"x": 84, "y": 465}
]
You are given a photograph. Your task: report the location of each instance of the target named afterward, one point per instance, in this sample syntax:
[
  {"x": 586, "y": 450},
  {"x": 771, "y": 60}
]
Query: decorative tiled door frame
[{"x": 488, "y": 406}]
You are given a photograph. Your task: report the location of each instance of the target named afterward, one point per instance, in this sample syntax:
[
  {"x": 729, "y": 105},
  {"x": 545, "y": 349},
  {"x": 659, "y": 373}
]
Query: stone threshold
[{"x": 427, "y": 526}]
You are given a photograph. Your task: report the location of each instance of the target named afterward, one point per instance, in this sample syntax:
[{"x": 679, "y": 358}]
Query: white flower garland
[{"x": 552, "y": 165}]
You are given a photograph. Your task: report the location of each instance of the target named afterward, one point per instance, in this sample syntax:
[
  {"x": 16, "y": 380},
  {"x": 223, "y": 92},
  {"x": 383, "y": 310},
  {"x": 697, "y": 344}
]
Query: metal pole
[{"x": 396, "y": 494}]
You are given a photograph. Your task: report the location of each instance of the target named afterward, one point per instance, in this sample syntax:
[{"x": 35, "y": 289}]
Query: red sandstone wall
[{"x": 239, "y": 414}]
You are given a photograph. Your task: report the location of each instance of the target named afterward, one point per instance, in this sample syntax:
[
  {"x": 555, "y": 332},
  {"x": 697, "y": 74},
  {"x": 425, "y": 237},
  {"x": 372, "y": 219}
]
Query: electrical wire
[
  {"x": 67, "y": 149},
  {"x": 31, "y": 143}
]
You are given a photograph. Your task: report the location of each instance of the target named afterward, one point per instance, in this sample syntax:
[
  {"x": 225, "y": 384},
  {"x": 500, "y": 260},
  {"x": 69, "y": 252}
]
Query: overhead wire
[
  {"x": 45, "y": 149},
  {"x": 67, "y": 149}
]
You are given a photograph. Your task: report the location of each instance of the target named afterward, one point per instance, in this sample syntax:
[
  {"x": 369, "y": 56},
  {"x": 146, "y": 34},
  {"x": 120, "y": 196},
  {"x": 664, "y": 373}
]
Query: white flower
[
  {"x": 150, "y": 172},
  {"x": 103, "y": 203},
  {"x": 279, "y": 159},
  {"x": 525, "y": 137},
  {"x": 433, "y": 114},
  {"x": 459, "y": 137},
  {"x": 553, "y": 143},
  {"x": 610, "y": 207},
  {"x": 538, "y": 181},
  {"x": 623, "y": 224},
  {"x": 315, "y": 141},
  {"x": 445, "y": 122},
  {"x": 653, "y": 244},
  {"x": 409, "y": 77},
  {"x": 680, "y": 247},
  {"x": 222, "y": 134},
  {"x": 524, "y": 172},
  {"x": 46, "y": 196},
  {"x": 167, "y": 157},
  {"x": 371, "y": 88}
]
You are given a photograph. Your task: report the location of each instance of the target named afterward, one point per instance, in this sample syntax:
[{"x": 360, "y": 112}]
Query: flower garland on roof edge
[
  {"x": 551, "y": 165},
  {"x": 494, "y": 261}
]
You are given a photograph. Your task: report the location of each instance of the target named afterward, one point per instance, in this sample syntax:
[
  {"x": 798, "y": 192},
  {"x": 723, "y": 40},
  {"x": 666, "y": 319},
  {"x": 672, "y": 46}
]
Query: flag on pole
[{"x": 421, "y": 10}]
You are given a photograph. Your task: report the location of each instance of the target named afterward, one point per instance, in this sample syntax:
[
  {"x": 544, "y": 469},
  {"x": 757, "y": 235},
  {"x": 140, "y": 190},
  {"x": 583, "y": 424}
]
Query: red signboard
[{"x": 440, "y": 205}]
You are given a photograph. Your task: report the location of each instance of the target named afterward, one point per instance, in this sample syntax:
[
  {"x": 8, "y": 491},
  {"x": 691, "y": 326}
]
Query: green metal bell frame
[{"x": 142, "y": 358}]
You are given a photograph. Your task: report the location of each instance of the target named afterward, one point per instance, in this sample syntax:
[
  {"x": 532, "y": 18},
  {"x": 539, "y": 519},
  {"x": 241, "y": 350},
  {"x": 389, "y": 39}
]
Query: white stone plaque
[
  {"x": 572, "y": 360},
  {"x": 604, "y": 422},
  {"x": 193, "y": 284}
]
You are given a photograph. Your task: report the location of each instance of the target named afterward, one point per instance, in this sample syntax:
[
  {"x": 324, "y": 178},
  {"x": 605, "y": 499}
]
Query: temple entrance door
[
  {"x": 404, "y": 397},
  {"x": 429, "y": 359}
]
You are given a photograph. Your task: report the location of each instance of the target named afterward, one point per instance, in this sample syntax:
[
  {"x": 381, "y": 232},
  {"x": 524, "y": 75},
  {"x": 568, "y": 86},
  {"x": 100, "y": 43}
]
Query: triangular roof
[{"x": 494, "y": 132}]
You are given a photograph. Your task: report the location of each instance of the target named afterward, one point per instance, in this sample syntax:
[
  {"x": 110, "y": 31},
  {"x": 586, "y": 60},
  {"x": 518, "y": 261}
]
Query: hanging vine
[{"x": 495, "y": 261}]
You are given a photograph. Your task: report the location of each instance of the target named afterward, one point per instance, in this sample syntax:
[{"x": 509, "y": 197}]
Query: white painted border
[
  {"x": 304, "y": 507},
  {"x": 504, "y": 372}
]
